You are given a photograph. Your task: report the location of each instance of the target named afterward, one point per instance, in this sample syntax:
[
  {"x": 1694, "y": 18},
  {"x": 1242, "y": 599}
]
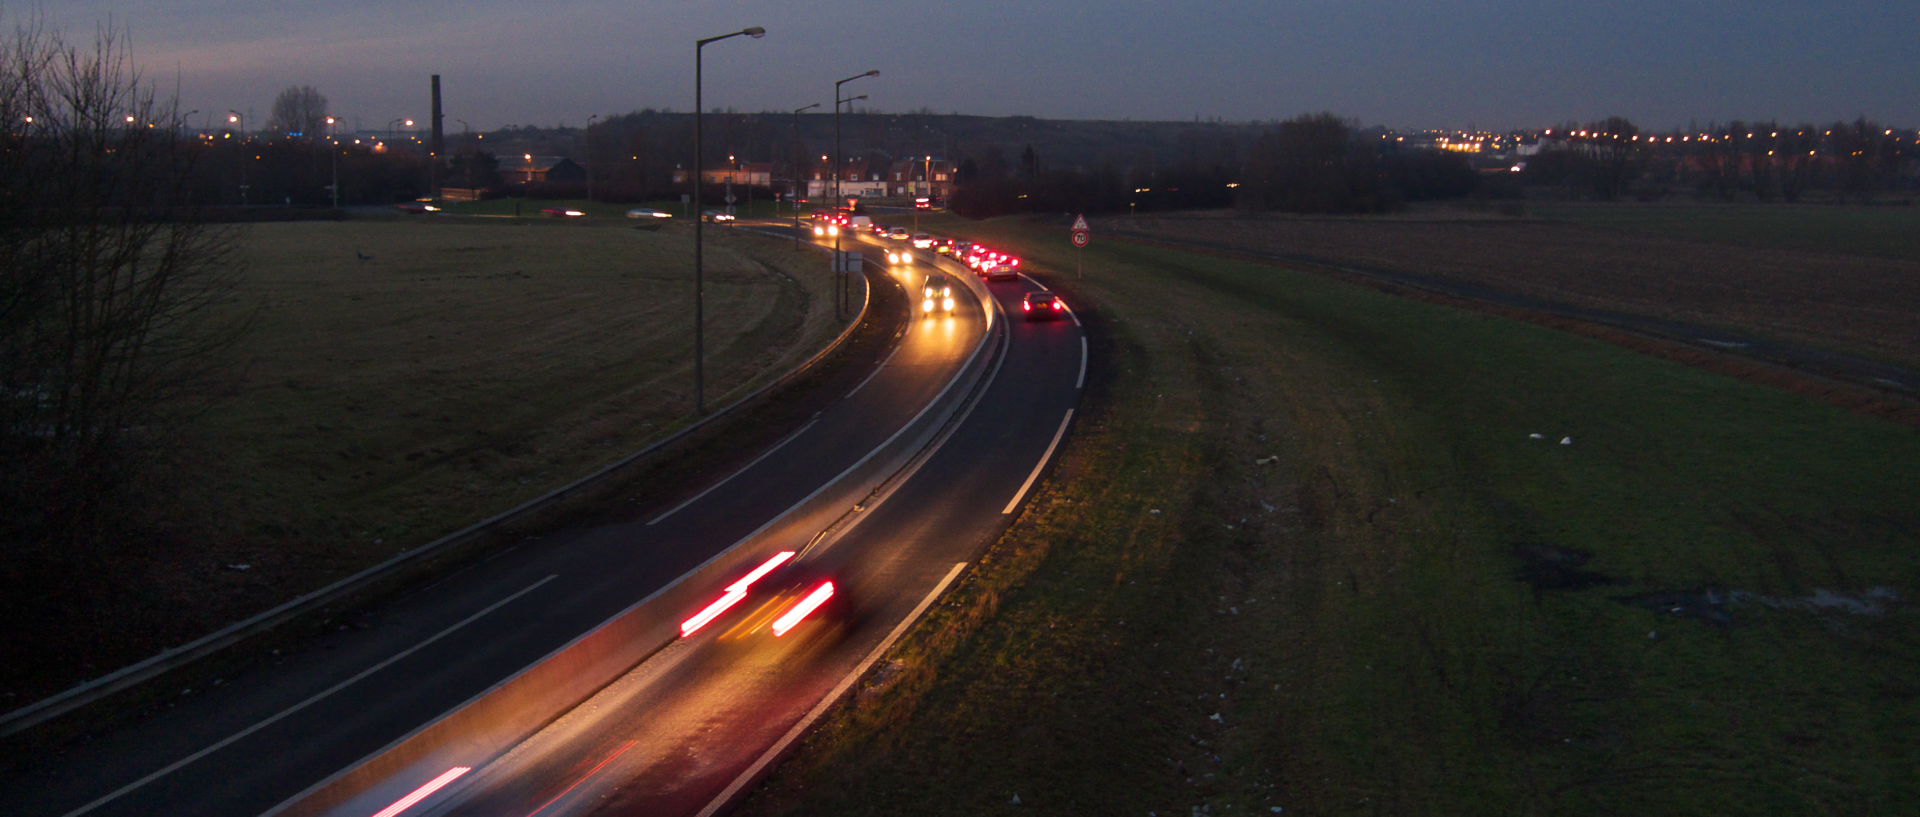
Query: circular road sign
[{"x": 1080, "y": 238}]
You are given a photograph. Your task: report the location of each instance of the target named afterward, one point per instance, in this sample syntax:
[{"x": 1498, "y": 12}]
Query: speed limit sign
[{"x": 1081, "y": 237}]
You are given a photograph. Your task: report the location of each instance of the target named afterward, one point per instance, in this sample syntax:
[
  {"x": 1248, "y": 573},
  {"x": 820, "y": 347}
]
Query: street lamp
[
  {"x": 699, "y": 163},
  {"x": 333, "y": 150},
  {"x": 239, "y": 124},
  {"x": 392, "y": 122},
  {"x": 793, "y": 190},
  {"x": 466, "y": 159},
  {"x": 590, "y": 155},
  {"x": 838, "y": 160}
]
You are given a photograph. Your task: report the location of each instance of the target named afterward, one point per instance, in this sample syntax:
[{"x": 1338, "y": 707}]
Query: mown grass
[
  {"x": 1887, "y": 231},
  {"x": 403, "y": 379},
  {"x": 1395, "y": 599}
]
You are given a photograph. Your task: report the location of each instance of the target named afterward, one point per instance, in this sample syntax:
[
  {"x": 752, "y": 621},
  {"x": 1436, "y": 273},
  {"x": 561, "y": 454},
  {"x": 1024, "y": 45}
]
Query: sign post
[{"x": 1081, "y": 235}]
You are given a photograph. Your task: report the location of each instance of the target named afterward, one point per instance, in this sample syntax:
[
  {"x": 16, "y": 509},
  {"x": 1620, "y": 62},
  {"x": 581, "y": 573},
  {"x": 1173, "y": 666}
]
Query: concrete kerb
[
  {"x": 98, "y": 689},
  {"x": 493, "y": 721}
]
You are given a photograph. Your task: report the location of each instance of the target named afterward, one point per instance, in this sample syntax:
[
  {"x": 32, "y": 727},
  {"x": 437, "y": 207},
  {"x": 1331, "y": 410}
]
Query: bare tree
[
  {"x": 106, "y": 277},
  {"x": 299, "y": 110}
]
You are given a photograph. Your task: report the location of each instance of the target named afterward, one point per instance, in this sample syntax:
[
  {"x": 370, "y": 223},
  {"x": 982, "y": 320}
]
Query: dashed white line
[
  {"x": 176, "y": 765},
  {"x": 743, "y": 469},
  {"x": 1015, "y": 501}
]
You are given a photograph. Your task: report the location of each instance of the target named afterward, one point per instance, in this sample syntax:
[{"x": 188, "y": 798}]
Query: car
[
  {"x": 898, "y": 234},
  {"x": 716, "y": 216},
  {"x": 1042, "y": 306},
  {"x": 1002, "y": 272},
  {"x": 417, "y": 207},
  {"x": 563, "y": 212},
  {"x": 648, "y": 214},
  {"x": 936, "y": 294},
  {"x": 900, "y": 257},
  {"x": 881, "y": 230},
  {"x": 922, "y": 241},
  {"x": 944, "y": 246}
]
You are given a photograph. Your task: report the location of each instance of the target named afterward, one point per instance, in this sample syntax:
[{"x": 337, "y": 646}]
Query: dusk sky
[{"x": 1495, "y": 64}]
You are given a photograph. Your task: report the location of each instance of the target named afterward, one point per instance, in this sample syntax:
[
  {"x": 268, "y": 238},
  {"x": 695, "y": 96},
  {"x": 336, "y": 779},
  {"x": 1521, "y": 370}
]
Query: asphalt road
[
  {"x": 263, "y": 736},
  {"x": 692, "y": 726}
]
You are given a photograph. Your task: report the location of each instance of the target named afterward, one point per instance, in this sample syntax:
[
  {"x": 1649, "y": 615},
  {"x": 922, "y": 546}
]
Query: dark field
[{"x": 403, "y": 379}]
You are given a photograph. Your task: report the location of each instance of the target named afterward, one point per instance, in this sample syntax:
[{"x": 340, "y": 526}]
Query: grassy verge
[{"x": 1307, "y": 555}]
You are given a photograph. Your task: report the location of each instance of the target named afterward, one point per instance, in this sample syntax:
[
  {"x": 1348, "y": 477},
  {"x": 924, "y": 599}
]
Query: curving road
[{"x": 694, "y": 718}]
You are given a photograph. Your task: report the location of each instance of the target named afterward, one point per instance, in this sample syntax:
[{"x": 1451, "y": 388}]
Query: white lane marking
[
  {"x": 1081, "y": 381},
  {"x": 176, "y": 765},
  {"x": 876, "y": 370},
  {"x": 1039, "y": 465},
  {"x": 1076, "y": 320},
  {"x": 1043, "y": 287},
  {"x": 743, "y": 469},
  {"x": 831, "y": 698}
]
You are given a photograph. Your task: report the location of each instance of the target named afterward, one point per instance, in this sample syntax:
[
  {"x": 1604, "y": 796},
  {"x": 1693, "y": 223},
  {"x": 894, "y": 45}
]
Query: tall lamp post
[
  {"x": 239, "y": 124},
  {"x": 793, "y": 192},
  {"x": 699, "y": 162},
  {"x": 838, "y": 160},
  {"x": 590, "y": 155},
  {"x": 466, "y": 158},
  {"x": 333, "y": 151}
]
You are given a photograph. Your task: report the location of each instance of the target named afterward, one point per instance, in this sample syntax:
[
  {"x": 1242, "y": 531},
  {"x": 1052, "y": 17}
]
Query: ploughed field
[{"x": 1787, "y": 284}]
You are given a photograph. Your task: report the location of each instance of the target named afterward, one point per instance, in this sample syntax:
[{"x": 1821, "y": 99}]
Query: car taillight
[
  {"x": 1057, "y": 306},
  {"x": 1026, "y": 306}
]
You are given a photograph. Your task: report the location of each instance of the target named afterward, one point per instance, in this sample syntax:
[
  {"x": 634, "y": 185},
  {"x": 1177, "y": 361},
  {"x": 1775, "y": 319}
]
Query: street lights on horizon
[
  {"x": 699, "y": 162},
  {"x": 239, "y": 124},
  {"x": 333, "y": 150}
]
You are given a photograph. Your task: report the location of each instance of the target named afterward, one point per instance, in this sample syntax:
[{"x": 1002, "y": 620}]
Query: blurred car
[
  {"x": 881, "y": 230},
  {"x": 944, "y": 246},
  {"x": 898, "y": 234},
  {"x": 648, "y": 213},
  {"x": 563, "y": 212},
  {"x": 922, "y": 241},
  {"x": 1042, "y": 306},
  {"x": 417, "y": 207},
  {"x": 717, "y": 216},
  {"x": 936, "y": 294},
  {"x": 899, "y": 257},
  {"x": 1002, "y": 272}
]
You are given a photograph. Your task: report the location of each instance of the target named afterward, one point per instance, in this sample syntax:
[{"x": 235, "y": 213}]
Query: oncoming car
[
  {"x": 936, "y": 294},
  {"x": 416, "y": 207},
  {"x": 1042, "y": 306},
  {"x": 922, "y": 241},
  {"x": 648, "y": 214},
  {"x": 717, "y": 216},
  {"x": 899, "y": 257},
  {"x": 563, "y": 212}
]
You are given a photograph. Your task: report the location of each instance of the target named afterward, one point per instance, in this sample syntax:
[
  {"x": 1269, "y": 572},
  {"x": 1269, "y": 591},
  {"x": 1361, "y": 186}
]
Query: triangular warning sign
[{"x": 1080, "y": 222}]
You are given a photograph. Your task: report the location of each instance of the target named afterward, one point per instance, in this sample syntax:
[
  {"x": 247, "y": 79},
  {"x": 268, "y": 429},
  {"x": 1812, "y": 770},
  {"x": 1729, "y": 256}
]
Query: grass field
[
  {"x": 1888, "y": 232},
  {"x": 405, "y": 378},
  {"x": 530, "y": 208},
  {"x": 1304, "y": 552}
]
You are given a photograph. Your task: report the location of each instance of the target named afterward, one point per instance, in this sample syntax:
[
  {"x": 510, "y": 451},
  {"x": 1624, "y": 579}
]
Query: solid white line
[
  {"x": 303, "y": 704},
  {"x": 832, "y": 697},
  {"x": 743, "y": 469},
  {"x": 1081, "y": 381},
  {"x": 1043, "y": 287},
  {"x": 1039, "y": 465},
  {"x": 1075, "y": 316}
]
